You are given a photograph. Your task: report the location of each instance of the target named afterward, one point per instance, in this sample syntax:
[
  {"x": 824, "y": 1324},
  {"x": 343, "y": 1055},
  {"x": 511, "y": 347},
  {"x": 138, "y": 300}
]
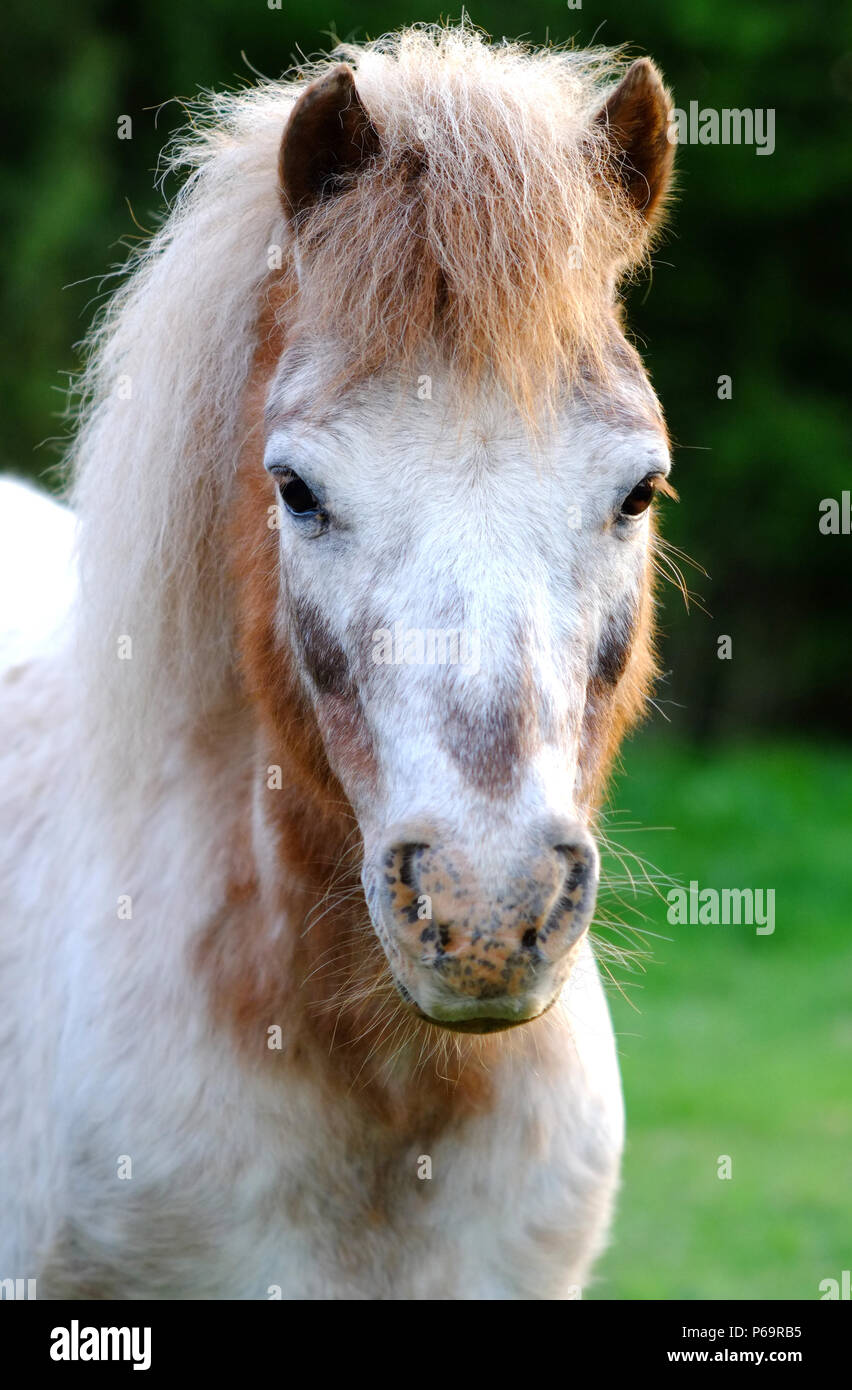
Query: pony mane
[
  {"x": 486, "y": 229},
  {"x": 487, "y": 226}
]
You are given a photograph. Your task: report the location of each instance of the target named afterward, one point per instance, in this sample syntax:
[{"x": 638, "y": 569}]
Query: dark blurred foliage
[{"x": 749, "y": 282}]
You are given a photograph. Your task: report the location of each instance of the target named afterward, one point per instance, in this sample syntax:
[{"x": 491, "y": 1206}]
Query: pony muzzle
[{"x": 474, "y": 957}]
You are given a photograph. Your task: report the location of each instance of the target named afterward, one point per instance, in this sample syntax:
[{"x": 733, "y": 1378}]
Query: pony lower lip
[
  {"x": 478, "y": 1025},
  {"x": 481, "y": 1023}
]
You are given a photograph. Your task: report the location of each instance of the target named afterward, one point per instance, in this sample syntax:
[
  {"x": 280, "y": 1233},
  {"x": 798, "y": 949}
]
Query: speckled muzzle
[{"x": 478, "y": 957}]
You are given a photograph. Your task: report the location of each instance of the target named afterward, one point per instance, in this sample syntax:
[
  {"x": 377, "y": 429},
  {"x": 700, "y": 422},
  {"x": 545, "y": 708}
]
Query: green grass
[{"x": 742, "y": 1044}]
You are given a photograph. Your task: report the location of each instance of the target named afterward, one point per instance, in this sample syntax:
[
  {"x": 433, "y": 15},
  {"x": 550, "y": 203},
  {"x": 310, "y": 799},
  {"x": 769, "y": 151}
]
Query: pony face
[
  {"x": 466, "y": 608},
  {"x": 465, "y": 452}
]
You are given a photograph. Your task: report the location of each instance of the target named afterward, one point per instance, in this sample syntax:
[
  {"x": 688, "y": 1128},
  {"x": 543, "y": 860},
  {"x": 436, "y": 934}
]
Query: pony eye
[
  {"x": 640, "y": 499},
  {"x": 297, "y": 496}
]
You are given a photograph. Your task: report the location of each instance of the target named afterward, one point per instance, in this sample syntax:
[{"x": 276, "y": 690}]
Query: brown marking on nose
[{"x": 490, "y": 740}]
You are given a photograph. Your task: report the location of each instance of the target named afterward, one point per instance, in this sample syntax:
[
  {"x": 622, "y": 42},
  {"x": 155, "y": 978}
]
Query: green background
[{"x": 731, "y": 1043}]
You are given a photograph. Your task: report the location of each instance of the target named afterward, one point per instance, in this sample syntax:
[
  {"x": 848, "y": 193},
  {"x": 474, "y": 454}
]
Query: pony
[{"x": 300, "y": 783}]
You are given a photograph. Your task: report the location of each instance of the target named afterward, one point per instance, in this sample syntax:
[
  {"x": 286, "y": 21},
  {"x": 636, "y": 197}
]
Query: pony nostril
[
  {"x": 529, "y": 939},
  {"x": 575, "y": 877},
  {"x": 577, "y": 861},
  {"x": 407, "y": 855}
]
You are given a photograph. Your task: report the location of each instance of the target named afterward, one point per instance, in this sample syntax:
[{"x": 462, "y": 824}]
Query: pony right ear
[
  {"x": 328, "y": 138},
  {"x": 637, "y": 117}
]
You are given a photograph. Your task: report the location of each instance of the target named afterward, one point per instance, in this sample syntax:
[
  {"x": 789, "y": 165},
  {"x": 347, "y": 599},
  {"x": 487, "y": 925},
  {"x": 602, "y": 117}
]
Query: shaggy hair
[
  {"x": 487, "y": 227},
  {"x": 487, "y": 222}
]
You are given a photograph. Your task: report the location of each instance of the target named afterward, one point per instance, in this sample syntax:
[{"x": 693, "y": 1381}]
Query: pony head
[
  {"x": 366, "y": 476},
  {"x": 445, "y": 524}
]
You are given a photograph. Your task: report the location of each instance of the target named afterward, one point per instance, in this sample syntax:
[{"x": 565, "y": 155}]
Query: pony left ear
[
  {"x": 328, "y": 138},
  {"x": 637, "y": 116}
]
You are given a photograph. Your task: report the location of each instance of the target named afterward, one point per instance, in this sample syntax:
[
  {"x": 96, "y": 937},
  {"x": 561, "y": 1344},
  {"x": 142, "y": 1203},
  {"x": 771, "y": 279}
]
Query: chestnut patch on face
[
  {"x": 618, "y": 633},
  {"x": 338, "y": 707},
  {"x": 348, "y": 738},
  {"x": 322, "y": 655},
  {"x": 621, "y": 675}
]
